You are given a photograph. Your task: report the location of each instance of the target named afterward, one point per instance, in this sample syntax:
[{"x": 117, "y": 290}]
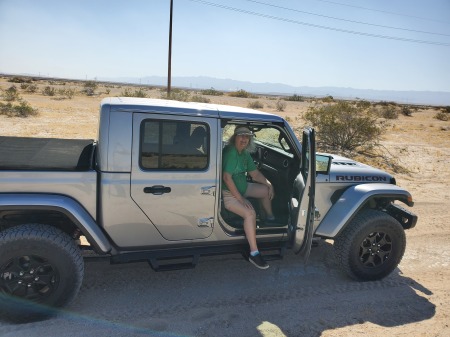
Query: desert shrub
[
  {"x": 442, "y": 116},
  {"x": 386, "y": 103},
  {"x": 363, "y": 104},
  {"x": 17, "y": 79},
  {"x": 407, "y": 111},
  {"x": 212, "y": 92},
  {"x": 31, "y": 88},
  {"x": 11, "y": 94},
  {"x": 107, "y": 91},
  {"x": 139, "y": 93},
  {"x": 447, "y": 109},
  {"x": 126, "y": 93},
  {"x": 24, "y": 110},
  {"x": 255, "y": 105},
  {"x": 328, "y": 99},
  {"x": 5, "y": 108},
  {"x": 242, "y": 94},
  {"x": 49, "y": 91},
  {"x": 66, "y": 93},
  {"x": 389, "y": 112},
  {"x": 344, "y": 127},
  {"x": 90, "y": 87},
  {"x": 280, "y": 105},
  {"x": 200, "y": 99},
  {"x": 136, "y": 93},
  {"x": 21, "y": 110},
  {"x": 295, "y": 98},
  {"x": 177, "y": 95}
]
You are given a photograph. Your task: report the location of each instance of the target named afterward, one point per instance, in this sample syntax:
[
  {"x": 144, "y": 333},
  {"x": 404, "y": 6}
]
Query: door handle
[{"x": 157, "y": 189}]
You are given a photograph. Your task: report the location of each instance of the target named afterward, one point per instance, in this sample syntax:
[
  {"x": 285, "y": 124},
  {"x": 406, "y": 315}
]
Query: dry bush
[
  {"x": 11, "y": 94},
  {"x": 389, "y": 112},
  {"x": 442, "y": 116},
  {"x": 49, "y": 91},
  {"x": 66, "y": 93},
  {"x": 177, "y": 95},
  {"x": 212, "y": 92},
  {"x": 31, "y": 88},
  {"x": 255, "y": 105},
  {"x": 17, "y": 79},
  {"x": 295, "y": 98},
  {"x": 242, "y": 94},
  {"x": 136, "y": 93},
  {"x": 407, "y": 111},
  {"x": 199, "y": 99},
  {"x": 23, "y": 109},
  {"x": 343, "y": 127},
  {"x": 280, "y": 105},
  {"x": 90, "y": 87}
]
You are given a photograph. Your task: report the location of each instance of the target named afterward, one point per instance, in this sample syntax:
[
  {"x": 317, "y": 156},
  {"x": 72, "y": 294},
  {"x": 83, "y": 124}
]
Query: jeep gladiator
[{"x": 148, "y": 190}]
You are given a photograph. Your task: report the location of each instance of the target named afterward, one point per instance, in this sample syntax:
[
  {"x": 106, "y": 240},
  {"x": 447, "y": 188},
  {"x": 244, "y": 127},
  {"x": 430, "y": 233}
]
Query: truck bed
[{"x": 46, "y": 154}]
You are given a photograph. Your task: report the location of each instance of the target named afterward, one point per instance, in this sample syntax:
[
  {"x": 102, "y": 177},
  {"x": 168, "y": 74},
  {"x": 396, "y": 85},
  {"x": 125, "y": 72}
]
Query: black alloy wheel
[
  {"x": 371, "y": 246},
  {"x": 41, "y": 269}
]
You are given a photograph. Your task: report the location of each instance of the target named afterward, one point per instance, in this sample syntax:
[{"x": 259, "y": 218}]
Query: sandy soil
[{"x": 225, "y": 296}]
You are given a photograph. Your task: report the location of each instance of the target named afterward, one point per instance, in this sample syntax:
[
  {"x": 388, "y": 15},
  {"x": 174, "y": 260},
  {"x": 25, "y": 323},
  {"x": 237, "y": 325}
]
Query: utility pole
[{"x": 169, "y": 75}]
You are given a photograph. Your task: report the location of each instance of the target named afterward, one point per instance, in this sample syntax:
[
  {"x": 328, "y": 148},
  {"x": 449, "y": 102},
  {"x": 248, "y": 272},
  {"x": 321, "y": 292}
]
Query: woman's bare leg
[{"x": 261, "y": 192}]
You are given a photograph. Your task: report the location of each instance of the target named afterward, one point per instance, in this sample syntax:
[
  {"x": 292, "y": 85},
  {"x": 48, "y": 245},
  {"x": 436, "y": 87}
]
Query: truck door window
[
  {"x": 174, "y": 145},
  {"x": 268, "y": 136}
]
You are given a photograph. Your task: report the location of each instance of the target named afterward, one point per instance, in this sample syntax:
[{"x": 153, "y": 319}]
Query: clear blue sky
[{"x": 301, "y": 44}]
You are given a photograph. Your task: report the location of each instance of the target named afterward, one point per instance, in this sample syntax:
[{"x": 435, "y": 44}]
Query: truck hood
[{"x": 345, "y": 170}]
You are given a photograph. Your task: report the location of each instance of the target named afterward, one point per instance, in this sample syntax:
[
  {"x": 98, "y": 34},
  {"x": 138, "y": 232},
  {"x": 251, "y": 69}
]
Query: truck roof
[{"x": 170, "y": 107}]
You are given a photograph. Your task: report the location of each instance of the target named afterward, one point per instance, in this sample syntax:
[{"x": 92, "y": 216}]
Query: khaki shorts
[{"x": 253, "y": 190}]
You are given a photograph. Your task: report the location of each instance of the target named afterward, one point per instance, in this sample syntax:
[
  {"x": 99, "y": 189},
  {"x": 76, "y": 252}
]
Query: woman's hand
[
  {"x": 258, "y": 177},
  {"x": 271, "y": 192}
]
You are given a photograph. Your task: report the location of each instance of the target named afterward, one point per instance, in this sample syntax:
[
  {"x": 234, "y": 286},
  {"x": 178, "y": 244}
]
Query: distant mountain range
[{"x": 440, "y": 98}]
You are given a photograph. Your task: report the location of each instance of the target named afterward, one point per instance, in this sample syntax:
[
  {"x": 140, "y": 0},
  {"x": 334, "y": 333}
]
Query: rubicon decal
[{"x": 361, "y": 178}]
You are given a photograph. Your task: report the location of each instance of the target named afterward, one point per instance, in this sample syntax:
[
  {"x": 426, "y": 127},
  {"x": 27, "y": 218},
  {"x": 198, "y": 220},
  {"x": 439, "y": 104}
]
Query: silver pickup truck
[{"x": 150, "y": 190}]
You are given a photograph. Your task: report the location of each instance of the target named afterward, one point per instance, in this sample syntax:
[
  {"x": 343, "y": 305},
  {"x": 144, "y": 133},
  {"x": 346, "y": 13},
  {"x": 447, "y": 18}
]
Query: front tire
[
  {"x": 371, "y": 246},
  {"x": 41, "y": 268}
]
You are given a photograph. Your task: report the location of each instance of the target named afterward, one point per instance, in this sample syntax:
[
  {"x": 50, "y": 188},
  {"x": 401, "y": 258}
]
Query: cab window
[
  {"x": 267, "y": 136},
  {"x": 174, "y": 145}
]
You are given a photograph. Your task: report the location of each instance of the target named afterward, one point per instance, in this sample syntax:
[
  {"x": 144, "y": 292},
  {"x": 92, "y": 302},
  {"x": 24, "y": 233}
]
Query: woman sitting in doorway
[{"x": 236, "y": 163}]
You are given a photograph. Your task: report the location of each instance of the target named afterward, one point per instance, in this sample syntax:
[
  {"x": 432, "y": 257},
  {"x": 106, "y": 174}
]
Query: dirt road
[{"x": 226, "y": 296}]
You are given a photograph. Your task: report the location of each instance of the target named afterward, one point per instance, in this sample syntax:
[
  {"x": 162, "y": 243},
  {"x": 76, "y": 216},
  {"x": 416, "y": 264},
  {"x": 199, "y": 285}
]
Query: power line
[
  {"x": 381, "y": 11},
  {"x": 346, "y": 20},
  {"x": 319, "y": 26}
]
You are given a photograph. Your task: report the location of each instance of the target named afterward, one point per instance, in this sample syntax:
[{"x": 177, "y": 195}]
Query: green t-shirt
[{"x": 237, "y": 165}]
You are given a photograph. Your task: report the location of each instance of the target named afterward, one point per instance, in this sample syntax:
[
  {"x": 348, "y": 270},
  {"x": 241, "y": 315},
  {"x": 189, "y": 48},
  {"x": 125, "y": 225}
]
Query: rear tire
[
  {"x": 371, "y": 246},
  {"x": 41, "y": 269}
]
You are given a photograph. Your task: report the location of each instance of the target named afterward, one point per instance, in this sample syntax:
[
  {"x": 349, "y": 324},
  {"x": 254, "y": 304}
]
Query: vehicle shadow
[{"x": 227, "y": 296}]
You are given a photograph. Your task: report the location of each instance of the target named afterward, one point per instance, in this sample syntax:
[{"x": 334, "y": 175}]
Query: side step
[
  {"x": 166, "y": 264},
  {"x": 186, "y": 258}
]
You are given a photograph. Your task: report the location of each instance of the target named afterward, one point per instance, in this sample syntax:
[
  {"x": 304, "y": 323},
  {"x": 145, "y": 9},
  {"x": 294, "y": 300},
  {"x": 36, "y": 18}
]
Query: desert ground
[{"x": 226, "y": 296}]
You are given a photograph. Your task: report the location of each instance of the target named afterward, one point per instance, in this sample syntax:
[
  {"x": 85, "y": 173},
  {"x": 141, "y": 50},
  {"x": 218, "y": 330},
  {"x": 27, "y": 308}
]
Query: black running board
[{"x": 164, "y": 260}]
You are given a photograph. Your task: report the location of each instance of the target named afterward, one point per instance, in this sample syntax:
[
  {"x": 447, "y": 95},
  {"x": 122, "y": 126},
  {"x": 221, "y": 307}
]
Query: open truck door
[{"x": 301, "y": 204}]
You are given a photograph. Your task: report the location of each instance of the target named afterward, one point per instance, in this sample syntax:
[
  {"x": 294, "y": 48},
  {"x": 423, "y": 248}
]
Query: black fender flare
[{"x": 352, "y": 200}]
